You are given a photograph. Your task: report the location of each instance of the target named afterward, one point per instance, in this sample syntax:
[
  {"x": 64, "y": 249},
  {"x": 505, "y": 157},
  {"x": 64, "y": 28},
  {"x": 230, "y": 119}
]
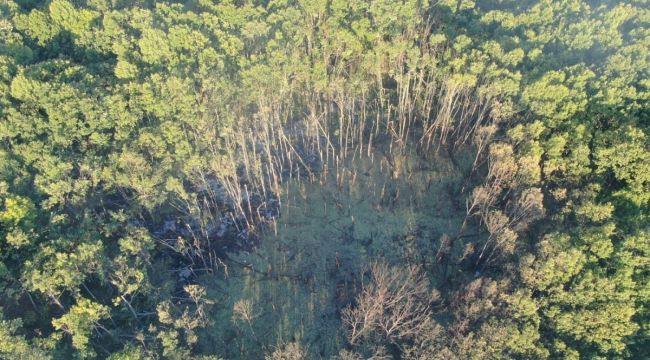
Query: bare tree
[
  {"x": 290, "y": 351},
  {"x": 482, "y": 139},
  {"x": 528, "y": 207},
  {"x": 393, "y": 305},
  {"x": 502, "y": 166},
  {"x": 502, "y": 239},
  {"x": 244, "y": 311},
  {"x": 347, "y": 355},
  {"x": 482, "y": 197}
]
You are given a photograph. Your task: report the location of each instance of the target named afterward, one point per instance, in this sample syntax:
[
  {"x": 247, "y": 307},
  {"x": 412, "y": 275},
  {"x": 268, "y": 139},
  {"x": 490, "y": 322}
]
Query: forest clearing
[{"x": 324, "y": 179}]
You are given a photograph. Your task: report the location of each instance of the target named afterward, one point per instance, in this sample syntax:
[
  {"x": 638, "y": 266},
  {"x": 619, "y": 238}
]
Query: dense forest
[{"x": 324, "y": 179}]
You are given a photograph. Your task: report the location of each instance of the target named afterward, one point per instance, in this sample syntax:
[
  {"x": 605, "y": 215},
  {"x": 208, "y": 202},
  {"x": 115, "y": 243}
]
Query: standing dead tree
[
  {"x": 394, "y": 304},
  {"x": 502, "y": 170}
]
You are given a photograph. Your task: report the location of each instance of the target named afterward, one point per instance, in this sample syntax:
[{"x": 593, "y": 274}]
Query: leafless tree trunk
[{"x": 394, "y": 304}]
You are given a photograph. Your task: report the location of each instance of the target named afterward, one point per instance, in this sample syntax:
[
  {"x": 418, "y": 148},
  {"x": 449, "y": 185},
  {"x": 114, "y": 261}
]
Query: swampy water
[{"x": 307, "y": 267}]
